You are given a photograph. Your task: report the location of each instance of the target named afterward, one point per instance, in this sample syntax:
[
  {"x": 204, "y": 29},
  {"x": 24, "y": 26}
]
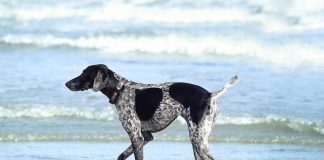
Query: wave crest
[
  {"x": 48, "y": 111},
  {"x": 178, "y": 138},
  {"x": 178, "y": 44},
  {"x": 39, "y": 111},
  {"x": 276, "y": 122},
  {"x": 271, "y": 16}
]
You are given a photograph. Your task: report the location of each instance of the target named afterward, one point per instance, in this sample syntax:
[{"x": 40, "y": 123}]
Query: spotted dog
[{"x": 147, "y": 108}]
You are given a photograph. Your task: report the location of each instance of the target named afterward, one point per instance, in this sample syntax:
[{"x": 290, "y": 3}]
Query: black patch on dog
[
  {"x": 147, "y": 101},
  {"x": 192, "y": 96}
]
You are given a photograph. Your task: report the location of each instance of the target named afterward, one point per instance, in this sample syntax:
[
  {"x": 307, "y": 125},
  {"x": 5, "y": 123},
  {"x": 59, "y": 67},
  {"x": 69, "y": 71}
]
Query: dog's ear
[{"x": 100, "y": 81}]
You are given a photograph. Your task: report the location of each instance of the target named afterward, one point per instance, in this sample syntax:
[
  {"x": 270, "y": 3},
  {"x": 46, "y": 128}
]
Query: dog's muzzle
[{"x": 71, "y": 86}]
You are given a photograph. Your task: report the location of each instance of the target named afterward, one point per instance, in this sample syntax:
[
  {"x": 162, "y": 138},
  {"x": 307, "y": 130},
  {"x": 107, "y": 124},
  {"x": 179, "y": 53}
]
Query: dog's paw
[{"x": 121, "y": 157}]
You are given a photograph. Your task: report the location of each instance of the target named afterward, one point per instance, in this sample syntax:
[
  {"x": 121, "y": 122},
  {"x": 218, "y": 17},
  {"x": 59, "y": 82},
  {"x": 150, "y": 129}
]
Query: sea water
[{"x": 275, "y": 111}]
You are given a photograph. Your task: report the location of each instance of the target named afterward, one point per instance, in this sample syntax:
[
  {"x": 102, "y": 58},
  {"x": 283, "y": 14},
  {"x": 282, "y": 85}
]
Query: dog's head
[{"x": 96, "y": 77}]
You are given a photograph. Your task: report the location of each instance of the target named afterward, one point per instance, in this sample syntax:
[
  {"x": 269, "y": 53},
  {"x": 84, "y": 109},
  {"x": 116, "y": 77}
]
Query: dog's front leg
[
  {"x": 129, "y": 151},
  {"x": 136, "y": 147},
  {"x": 138, "y": 143},
  {"x": 132, "y": 125}
]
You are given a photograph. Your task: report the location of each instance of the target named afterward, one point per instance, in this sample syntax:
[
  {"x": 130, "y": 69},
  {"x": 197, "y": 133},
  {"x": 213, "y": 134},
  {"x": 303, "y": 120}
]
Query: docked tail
[{"x": 229, "y": 84}]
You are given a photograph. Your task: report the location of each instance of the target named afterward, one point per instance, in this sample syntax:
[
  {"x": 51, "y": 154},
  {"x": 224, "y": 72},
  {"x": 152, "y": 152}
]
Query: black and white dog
[{"x": 147, "y": 108}]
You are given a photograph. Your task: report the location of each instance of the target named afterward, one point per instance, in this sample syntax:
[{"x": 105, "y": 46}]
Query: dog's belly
[{"x": 162, "y": 118}]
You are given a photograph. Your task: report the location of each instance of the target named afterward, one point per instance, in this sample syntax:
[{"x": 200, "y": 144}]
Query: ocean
[{"x": 275, "y": 111}]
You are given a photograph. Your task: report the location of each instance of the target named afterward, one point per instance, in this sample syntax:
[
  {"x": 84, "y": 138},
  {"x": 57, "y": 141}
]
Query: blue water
[{"x": 276, "y": 51}]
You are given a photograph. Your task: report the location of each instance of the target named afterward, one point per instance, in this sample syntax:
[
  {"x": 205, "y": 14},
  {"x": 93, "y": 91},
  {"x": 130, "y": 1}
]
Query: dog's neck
[{"x": 114, "y": 87}]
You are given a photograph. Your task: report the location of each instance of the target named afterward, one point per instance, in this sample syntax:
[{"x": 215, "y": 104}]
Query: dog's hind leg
[
  {"x": 199, "y": 133},
  {"x": 199, "y": 141},
  {"x": 201, "y": 151},
  {"x": 129, "y": 151}
]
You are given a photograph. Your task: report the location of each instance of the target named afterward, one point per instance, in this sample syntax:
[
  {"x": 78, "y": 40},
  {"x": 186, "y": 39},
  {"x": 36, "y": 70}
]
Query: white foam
[
  {"x": 50, "y": 111},
  {"x": 296, "y": 124},
  {"x": 164, "y": 137},
  {"x": 169, "y": 15},
  {"x": 274, "y": 16},
  {"x": 283, "y": 54},
  {"x": 288, "y": 16},
  {"x": 117, "y": 11}
]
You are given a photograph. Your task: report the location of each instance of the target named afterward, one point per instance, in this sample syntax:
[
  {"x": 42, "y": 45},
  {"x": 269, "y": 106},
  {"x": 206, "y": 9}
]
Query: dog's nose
[{"x": 67, "y": 84}]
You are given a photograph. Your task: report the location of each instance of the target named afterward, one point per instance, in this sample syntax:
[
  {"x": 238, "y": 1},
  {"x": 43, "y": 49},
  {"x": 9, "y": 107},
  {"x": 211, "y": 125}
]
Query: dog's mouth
[
  {"x": 72, "y": 89},
  {"x": 83, "y": 89},
  {"x": 77, "y": 89}
]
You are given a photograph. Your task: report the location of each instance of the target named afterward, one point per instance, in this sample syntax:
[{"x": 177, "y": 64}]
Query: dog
[{"x": 148, "y": 108}]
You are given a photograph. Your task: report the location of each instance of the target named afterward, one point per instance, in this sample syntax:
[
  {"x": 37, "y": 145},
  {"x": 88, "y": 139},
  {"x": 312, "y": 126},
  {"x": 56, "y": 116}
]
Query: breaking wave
[
  {"x": 285, "y": 54},
  {"x": 179, "y": 138},
  {"x": 48, "y": 111},
  {"x": 270, "y": 15},
  {"x": 276, "y": 123}
]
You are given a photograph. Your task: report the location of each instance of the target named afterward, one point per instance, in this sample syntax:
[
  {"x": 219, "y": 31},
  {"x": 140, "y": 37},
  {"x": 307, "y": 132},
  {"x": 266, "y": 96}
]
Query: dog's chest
[{"x": 152, "y": 105}]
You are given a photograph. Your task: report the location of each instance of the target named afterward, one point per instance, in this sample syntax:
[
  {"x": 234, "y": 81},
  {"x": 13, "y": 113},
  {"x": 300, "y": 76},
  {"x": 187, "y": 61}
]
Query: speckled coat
[
  {"x": 168, "y": 110},
  {"x": 164, "y": 103}
]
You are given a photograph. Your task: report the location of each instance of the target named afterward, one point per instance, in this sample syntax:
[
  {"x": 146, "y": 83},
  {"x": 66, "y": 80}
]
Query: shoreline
[{"x": 154, "y": 150}]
